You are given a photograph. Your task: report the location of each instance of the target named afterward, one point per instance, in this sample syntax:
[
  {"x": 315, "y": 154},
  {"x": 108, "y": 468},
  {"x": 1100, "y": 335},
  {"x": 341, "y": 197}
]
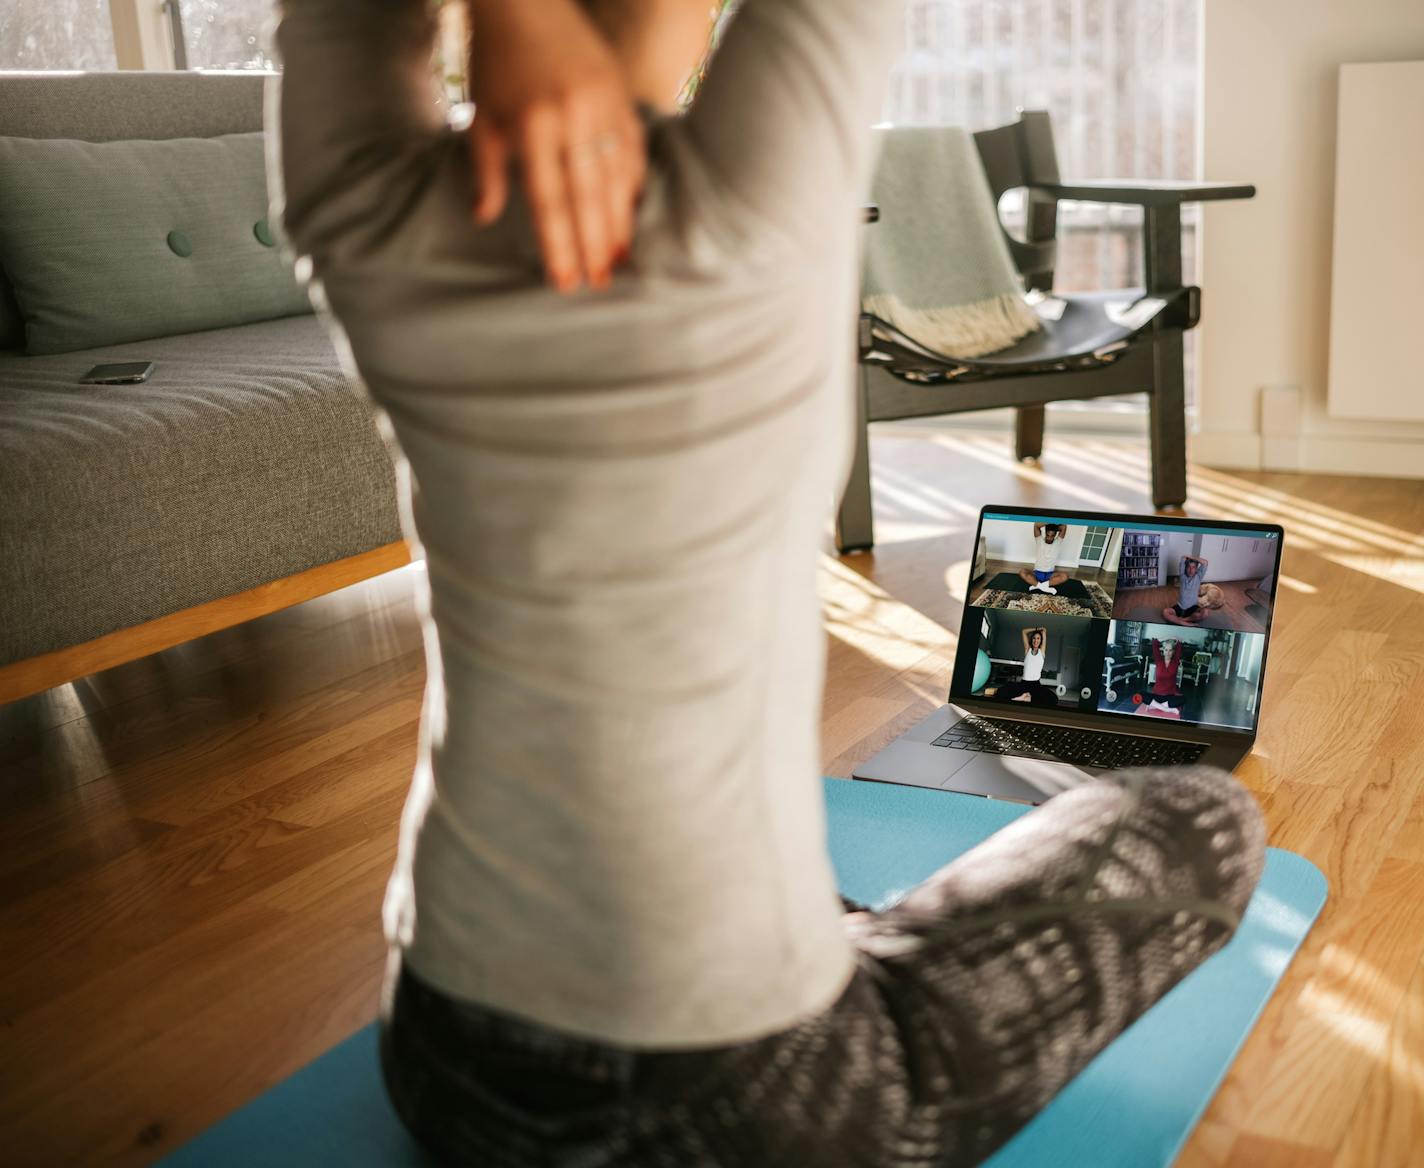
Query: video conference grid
[{"x": 1132, "y": 620}]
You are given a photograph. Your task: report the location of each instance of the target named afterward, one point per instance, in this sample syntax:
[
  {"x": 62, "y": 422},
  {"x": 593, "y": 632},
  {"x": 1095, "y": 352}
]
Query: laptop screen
[{"x": 1119, "y": 616}]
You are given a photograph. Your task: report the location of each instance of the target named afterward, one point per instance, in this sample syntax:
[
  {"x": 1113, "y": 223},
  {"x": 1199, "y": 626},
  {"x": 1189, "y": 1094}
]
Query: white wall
[
  {"x": 1236, "y": 557},
  {"x": 1232, "y": 557},
  {"x": 1378, "y": 253},
  {"x": 1009, "y": 539},
  {"x": 1269, "y": 111},
  {"x": 1175, "y": 545}
]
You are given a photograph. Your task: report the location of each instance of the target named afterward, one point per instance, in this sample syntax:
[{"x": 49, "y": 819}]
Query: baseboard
[
  {"x": 1319, "y": 453},
  {"x": 1380, "y": 457}
]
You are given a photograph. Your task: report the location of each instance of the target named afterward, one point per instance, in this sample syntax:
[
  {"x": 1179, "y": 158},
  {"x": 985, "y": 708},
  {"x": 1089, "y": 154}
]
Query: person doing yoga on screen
[
  {"x": 1194, "y": 597},
  {"x": 1030, "y": 687},
  {"x": 1165, "y": 699},
  {"x": 612, "y": 349},
  {"x": 1035, "y": 643},
  {"x": 1044, "y": 576}
]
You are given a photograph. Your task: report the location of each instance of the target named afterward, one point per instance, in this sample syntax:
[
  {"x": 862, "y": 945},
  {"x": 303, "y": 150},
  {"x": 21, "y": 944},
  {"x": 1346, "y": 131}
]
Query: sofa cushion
[
  {"x": 107, "y": 242},
  {"x": 12, "y": 324},
  {"x": 245, "y": 458}
]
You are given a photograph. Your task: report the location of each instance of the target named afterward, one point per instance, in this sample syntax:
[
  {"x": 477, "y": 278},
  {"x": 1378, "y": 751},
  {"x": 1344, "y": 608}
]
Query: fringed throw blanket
[{"x": 936, "y": 265}]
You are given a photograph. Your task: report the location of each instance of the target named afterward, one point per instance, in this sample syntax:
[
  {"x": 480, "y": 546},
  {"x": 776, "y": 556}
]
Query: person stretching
[
  {"x": 1190, "y": 609},
  {"x": 1044, "y": 575},
  {"x": 1030, "y": 686},
  {"x": 615, "y": 936},
  {"x": 1035, "y": 644},
  {"x": 1167, "y": 657}
]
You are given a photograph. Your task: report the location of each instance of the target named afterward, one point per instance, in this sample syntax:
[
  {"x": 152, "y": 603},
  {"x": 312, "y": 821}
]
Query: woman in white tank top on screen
[
  {"x": 1035, "y": 642},
  {"x": 1030, "y": 688}
]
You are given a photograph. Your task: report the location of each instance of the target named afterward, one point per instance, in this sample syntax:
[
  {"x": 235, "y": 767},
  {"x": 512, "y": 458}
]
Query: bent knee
[{"x": 1211, "y": 823}]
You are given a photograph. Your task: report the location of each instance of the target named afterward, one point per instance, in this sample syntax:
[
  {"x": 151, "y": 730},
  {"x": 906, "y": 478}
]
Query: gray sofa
[{"x": 245, "y": 459}]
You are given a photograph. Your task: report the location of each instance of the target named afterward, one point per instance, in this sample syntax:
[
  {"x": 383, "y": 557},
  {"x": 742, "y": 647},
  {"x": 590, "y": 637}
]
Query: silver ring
[{"x": 605, "y": 143}]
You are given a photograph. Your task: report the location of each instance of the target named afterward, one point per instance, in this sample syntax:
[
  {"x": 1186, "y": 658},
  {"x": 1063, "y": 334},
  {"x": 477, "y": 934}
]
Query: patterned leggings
[{"x": 976, "y": 999}]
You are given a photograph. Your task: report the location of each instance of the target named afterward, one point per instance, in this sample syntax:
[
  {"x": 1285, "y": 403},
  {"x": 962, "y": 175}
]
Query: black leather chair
[{"x": 1100, "y": 343}]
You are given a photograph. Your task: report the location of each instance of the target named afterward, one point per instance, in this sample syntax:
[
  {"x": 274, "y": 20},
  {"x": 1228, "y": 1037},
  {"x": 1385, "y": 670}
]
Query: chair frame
[{"x": 1022, "y": 154}]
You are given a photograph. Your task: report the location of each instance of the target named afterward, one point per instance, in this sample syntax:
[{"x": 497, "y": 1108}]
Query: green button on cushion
[
  {"x": 179, "y": 244},
  {"x": 263, "y": 230}
]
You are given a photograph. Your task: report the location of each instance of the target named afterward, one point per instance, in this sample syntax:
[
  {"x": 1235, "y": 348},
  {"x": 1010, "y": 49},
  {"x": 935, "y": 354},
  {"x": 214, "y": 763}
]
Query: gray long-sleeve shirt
[
  {"x": 1190, "y": 584},
  {"x": 616, "y": 826}
]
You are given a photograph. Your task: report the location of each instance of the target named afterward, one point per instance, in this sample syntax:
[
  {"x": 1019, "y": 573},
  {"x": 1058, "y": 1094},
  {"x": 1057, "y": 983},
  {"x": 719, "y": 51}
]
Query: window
[
  {"x": 1095, "y": 544},
  {"x": 1121, "y": 79},
  {"x": 237, "y": 34},
  {"x": 226, "y": 34},
  {"x": 56, "y": 34}
]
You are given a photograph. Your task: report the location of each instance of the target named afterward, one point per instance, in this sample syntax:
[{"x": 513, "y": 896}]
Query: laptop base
[{"x": 912, "y": 760}]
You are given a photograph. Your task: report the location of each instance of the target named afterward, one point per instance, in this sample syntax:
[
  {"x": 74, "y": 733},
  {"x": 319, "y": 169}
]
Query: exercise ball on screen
[{"x": 981, "y": 670}]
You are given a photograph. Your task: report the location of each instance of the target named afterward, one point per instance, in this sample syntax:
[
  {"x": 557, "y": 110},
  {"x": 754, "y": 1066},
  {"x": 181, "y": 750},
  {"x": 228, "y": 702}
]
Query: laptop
[{"x": 1093, "y": 642}]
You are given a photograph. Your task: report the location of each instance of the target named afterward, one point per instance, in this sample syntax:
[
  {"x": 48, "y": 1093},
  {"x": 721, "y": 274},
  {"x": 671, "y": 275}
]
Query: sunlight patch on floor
[
  {"x": 914, "y": 495},
  {"x": 987, "y": 454},
  {"x": 890, "y": 531},
  {"x": 1369, "y": 1035},
  {"x": 76, "y": 753},
  {"x": 1343, "y": 1015},
  {"x": 858, "y": 612},
  {"x": 1354, "y": 542},
  {"x": 1357, "y": 543},
  {"x": 1345, "y": 522},
  {"x": 1407, "y": 572},
  {"x": 956, "y": 579},
  {"x": 1258, "y": 501}
]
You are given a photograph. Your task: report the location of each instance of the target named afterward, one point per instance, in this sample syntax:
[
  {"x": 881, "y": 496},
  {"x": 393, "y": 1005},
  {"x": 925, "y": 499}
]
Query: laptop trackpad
[{"x": 1028, "y": 780}]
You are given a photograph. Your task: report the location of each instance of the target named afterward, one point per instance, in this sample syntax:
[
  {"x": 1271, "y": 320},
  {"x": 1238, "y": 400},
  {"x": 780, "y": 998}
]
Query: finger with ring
[{"x": 593, "y": 148}]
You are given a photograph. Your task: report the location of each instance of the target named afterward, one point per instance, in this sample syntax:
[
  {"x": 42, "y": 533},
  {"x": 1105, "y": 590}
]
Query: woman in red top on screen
[{"x": 1166, "y": 699}]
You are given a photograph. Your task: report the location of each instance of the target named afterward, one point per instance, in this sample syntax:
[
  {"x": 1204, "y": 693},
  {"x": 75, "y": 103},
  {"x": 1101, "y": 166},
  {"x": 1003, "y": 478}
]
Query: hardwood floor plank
[
  {"x": 1210, "y": 1146},
  {"x": 1256, "y": 1152},
  {"x": 25, "y": 872},
  {"x": 1387, "y": 1129},
  {"x": 199, "y": 752},
  {"x": 1409, "y": 840},
  {"x": 1332, "y": 1043},
  {"x": 139, "y": 901}
]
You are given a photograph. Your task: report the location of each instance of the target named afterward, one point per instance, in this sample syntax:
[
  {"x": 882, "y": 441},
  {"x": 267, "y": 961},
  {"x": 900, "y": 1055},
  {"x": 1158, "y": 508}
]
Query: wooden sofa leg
[
  {"x": 855, "y": 525},
  {"x": 1028, "y": 432},
  {"x": 1167, "y": 423}
]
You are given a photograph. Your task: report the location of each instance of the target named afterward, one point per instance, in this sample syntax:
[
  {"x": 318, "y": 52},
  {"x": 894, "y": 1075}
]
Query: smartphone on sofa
[{"x": 118, "y": 373}]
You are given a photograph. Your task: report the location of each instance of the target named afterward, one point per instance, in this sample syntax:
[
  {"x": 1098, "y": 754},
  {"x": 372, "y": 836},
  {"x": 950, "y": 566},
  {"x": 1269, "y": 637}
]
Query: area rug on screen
[{"x": 1096, "y": 603}]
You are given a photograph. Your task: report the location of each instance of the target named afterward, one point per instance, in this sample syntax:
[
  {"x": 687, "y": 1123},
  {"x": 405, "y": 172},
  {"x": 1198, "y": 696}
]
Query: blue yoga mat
[{"x": 1132, "y": 1107}]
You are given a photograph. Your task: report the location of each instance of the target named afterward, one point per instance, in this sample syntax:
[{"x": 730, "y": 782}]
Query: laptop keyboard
[{"x": 1080, "y": 747}]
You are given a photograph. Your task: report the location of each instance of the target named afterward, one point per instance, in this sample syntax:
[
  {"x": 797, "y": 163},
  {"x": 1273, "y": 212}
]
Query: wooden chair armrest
[{"x": 1145, "y": 192}]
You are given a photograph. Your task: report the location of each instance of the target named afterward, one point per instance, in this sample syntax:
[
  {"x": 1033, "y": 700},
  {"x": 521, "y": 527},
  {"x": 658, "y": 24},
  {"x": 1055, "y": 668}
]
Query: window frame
[{"x": 143, "y": 36}]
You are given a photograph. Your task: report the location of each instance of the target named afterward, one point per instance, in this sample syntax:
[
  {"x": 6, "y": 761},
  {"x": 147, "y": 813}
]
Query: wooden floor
[{"x": 193, "y": 847}]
